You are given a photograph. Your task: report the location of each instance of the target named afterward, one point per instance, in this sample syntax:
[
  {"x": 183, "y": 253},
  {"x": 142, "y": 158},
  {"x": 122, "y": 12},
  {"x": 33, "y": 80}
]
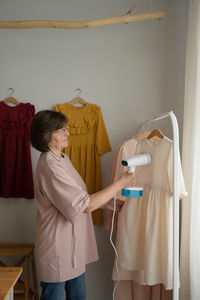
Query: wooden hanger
[
  {"x": 11, "y": 99},
  {"x": 140, "y": 136},
  {"x": 78, "y": 99},
  {"x": 156, "y": 133}
]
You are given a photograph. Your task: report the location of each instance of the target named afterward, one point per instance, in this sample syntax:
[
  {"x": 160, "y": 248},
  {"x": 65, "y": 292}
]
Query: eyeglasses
[{"x": 62, "y": 130}]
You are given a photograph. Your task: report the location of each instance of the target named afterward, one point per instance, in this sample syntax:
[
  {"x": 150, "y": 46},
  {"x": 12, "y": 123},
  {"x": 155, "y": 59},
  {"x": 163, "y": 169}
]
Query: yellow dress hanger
[{"x": 78, "y": 99}]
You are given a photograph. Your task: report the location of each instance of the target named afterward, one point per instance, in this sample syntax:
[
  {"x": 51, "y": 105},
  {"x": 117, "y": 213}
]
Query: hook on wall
[
  {"x": 12, "y": 91},
  {"x": 78, "y": 91},
  {"x": 78, "y": 99},
  {"x": 11, "y": 99}
]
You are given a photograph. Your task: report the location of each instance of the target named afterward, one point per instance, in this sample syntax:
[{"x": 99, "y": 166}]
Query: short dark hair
[{"x": 44, "y": 123}]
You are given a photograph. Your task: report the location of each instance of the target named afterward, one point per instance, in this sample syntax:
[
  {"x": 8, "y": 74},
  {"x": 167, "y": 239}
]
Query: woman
[{"x": 65, "y": 240}]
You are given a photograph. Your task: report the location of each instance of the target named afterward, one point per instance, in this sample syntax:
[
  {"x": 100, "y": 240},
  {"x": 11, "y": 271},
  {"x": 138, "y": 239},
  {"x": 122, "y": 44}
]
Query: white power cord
[{"x": 116, "y": 261}]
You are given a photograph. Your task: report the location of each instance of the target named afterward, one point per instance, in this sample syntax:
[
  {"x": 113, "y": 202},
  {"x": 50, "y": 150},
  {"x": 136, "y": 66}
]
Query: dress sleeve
[
  {"x": 124, "y": 151},
  {"x": 64, "y": 193},
  {"x": 120, "y": 169},
  {"x": 102, "y": 140},
  {"x": 30, "y": 115},
  {"x": 109, "y": 205},
  {"x": 127, "y": 149},
  {"x": 182, "y": 189}
]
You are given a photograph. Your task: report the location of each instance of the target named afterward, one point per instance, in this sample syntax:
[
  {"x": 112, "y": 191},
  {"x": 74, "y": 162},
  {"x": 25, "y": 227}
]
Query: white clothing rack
[{"x": 176, "y": 197}]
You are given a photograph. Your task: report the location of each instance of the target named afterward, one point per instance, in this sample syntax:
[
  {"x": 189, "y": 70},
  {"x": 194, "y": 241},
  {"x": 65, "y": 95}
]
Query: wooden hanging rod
[{"x": 128, "y": 18}]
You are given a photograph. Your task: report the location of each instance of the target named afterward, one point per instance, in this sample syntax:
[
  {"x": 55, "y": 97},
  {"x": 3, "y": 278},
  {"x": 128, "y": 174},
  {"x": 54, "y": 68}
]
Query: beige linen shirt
[{"x": 65, "y": 240}]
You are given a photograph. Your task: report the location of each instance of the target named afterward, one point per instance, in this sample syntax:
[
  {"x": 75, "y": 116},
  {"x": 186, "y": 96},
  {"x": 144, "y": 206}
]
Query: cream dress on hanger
[{"x": 145, "y": 226}]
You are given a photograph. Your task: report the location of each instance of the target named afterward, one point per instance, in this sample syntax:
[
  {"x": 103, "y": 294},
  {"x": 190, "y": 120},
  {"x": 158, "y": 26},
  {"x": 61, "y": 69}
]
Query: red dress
[{"x": 16, "y": 177}]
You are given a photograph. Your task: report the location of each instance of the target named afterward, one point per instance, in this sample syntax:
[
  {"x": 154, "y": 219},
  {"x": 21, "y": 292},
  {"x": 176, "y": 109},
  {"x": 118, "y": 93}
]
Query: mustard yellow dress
[{"x": 88, "y": 140}]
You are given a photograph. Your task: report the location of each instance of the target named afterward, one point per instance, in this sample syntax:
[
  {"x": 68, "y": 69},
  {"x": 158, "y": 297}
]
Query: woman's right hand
[
  {"x": 128, "y": 179},
  {"x": 102, "y": 197}
]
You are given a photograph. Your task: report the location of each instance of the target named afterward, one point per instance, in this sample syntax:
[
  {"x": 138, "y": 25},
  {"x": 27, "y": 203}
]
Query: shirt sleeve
[
  {"x": 102, "y": 140},
  {"x": 65, "y": 194}
]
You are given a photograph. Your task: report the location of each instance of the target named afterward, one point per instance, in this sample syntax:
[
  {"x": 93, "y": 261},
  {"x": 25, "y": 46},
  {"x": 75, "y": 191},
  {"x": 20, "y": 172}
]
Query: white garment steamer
[{"x": 132, "y": 163}]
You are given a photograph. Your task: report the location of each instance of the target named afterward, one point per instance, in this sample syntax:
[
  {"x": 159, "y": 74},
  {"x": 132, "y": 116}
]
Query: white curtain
[{"x": 190, "y": 232}]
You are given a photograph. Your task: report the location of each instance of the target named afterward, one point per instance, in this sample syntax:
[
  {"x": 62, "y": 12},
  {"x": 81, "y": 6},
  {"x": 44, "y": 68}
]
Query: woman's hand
[
  {"x": 110, "y": 205},
  {"x": 128, "y": 179},
  {"x": 102, "y": 197}
]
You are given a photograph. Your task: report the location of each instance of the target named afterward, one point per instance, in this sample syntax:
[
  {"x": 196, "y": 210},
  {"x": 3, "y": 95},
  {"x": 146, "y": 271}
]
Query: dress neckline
[
  {"x": 80, "y": 108},
  {"x": 6, "y": 106},
  {"x": 155, "y": 144}
]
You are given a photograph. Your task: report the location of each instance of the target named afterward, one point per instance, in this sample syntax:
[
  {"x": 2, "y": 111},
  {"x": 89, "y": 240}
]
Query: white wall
[{"x": 133, "y": 72}]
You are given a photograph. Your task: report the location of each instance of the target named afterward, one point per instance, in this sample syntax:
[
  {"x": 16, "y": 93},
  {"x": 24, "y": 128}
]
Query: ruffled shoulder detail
[
  {"x": 91, "y": 117},
  {"x": 94, "y": 108},
  {"x": 88, "y": 119},
  {"x": 16, "y": 116}
]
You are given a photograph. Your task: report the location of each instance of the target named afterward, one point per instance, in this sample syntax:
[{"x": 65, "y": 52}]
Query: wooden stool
[{"x": 26, "y": 251}]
